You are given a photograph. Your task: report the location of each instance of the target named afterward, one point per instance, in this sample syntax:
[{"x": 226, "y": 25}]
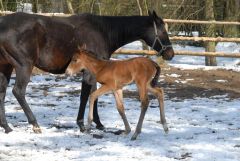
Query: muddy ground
[{"x": 180, "y": 84}]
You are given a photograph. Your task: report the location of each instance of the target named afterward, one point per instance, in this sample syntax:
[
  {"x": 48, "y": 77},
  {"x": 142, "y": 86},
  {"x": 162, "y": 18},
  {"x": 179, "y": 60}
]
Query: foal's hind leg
[
  {"x": 119, "y": 101},
  {"x": 144, "y": 105},
  {"x": 5, "y": 73},
  {"x": 22, "y": 78},
  {"x": 158, "y": 92}
]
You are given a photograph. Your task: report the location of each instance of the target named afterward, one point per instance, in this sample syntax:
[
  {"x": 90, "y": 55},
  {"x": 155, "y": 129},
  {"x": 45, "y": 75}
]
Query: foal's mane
[{"x": 89, "y": 53}]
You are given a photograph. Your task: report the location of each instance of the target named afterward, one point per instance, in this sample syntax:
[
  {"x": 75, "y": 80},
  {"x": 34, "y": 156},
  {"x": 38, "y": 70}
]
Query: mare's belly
[{"x": 54, "y": 61}]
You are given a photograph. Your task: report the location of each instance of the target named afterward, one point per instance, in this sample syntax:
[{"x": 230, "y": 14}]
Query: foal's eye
[{"x": 75, "y": 60}]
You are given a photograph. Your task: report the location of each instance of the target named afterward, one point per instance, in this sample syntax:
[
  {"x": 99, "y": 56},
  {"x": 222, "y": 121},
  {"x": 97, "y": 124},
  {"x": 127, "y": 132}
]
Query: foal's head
[
  {"x": 157, "y": 37},
  {"x": 77, "y": 62}
]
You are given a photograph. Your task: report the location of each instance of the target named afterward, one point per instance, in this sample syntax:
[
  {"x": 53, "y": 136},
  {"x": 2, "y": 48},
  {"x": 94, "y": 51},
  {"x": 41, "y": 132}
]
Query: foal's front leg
[{"x": 102, "y": 90}]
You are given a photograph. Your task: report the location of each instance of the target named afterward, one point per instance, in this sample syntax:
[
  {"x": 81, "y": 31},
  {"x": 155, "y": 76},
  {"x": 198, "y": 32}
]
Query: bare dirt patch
[{"x": 180, "y": 84}]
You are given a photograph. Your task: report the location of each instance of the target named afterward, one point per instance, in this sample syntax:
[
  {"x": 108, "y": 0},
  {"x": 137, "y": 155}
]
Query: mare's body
[{"x": 28, "y": 40}]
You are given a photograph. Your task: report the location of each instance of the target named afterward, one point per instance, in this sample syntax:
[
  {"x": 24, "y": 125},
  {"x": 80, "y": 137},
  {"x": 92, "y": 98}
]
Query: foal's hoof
[
  {"x": 37, "y": 130},
  {"x": 100, "y": 127},
  {"x": 165, "y": 127},
  {"x": 134, "y": 137}
]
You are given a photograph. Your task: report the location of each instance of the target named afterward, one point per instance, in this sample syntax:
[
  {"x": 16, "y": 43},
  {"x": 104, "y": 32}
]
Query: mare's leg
[
  {"x": 102, "y": 90},
  {"x": 22, "y": 78},
  {"x": 144, "y": 105},
  {"x": 159, "y": 94},
  {"x": 85, "y": 92},
  {"x": 96, "y": 118},
  {"x": 119, "y": 101},
  {"x": 5, "y": 74}
]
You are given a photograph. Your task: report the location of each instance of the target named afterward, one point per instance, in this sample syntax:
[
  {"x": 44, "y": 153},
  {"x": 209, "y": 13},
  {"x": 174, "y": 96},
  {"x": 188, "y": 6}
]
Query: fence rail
[
  {"x": 206, "y": 39},
  {"x": 202, "y": 22},
  {"x": 190, "y": 53}
]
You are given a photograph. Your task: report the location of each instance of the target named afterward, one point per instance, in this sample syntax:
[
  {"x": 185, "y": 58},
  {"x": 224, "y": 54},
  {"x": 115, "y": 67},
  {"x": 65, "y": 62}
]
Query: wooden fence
[
  {"x": 183, "y": 38},
  {"x": 178, "y": 38}
]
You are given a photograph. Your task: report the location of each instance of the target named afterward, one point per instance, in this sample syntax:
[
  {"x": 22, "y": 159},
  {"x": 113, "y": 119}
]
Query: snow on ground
[{"x": 201, "y": 129}]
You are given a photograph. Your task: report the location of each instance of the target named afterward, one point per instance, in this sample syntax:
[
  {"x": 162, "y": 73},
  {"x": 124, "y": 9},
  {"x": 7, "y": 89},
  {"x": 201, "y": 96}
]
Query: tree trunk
[
  {"x": 210, "y": 32},
  {"x": 1, "y": 5},
  {"x": 35, "y": 6},
  {"x": 140, "y": 8},
  {"x": 232, "y": 14},
  {"x": 69, "y": 5},
  {"x": 92, "y": 6}
]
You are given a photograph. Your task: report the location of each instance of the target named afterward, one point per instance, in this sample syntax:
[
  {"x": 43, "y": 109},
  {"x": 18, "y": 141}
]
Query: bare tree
[
  {"x": 140, "y": 8},
  {"x": 1, "y": 5},
  {"x": 69, "y": 5},
  {"x": 210, "y": 31},
  {"x": 35, "y": 6}
]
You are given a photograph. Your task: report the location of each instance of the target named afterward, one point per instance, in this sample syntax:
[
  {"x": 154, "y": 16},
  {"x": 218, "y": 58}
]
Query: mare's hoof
[
  {"x": 100, "y": 127},
  {"x": 81, "y": 126},
  {"x": 8, "y": 130},
  {"x": 37, "y": 130}
]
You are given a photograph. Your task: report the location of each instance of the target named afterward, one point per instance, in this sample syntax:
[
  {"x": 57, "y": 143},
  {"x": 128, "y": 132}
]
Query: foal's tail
[{"x": 155, "y": 79}]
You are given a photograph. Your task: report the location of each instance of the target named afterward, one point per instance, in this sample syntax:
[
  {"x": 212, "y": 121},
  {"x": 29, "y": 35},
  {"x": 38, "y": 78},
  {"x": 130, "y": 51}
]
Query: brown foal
[{"x": 114, "y": 75}]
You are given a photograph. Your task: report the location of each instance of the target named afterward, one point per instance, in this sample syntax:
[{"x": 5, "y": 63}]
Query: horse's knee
[
  {"x": 16, "y": 92},
  {"x": 145, "y": 102},
  {"x": 160, "y": 92}
]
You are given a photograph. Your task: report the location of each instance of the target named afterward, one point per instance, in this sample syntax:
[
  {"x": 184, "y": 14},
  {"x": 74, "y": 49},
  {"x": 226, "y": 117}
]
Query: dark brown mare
[
  {"x": 48, "y": 43},
  {"x": 114, "y": 75}
]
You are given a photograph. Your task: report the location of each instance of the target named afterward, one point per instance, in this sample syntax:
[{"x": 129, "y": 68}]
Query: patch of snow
[
  {"x": 174, "y": 75},
  {"x": 199, "y": 129},
  {"x": 221, "y": 81}
]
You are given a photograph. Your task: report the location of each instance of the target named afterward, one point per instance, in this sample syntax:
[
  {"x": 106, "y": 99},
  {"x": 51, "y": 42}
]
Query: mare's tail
[{"x": 155, "y": 79}]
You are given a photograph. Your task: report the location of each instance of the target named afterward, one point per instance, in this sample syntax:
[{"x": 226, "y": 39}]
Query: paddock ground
[
  {"x": 183, "y": 84},
  {"x": 202, "y": 111}
]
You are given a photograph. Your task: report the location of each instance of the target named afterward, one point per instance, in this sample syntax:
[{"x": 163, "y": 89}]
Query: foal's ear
[{"x": 82, "y": 47}]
